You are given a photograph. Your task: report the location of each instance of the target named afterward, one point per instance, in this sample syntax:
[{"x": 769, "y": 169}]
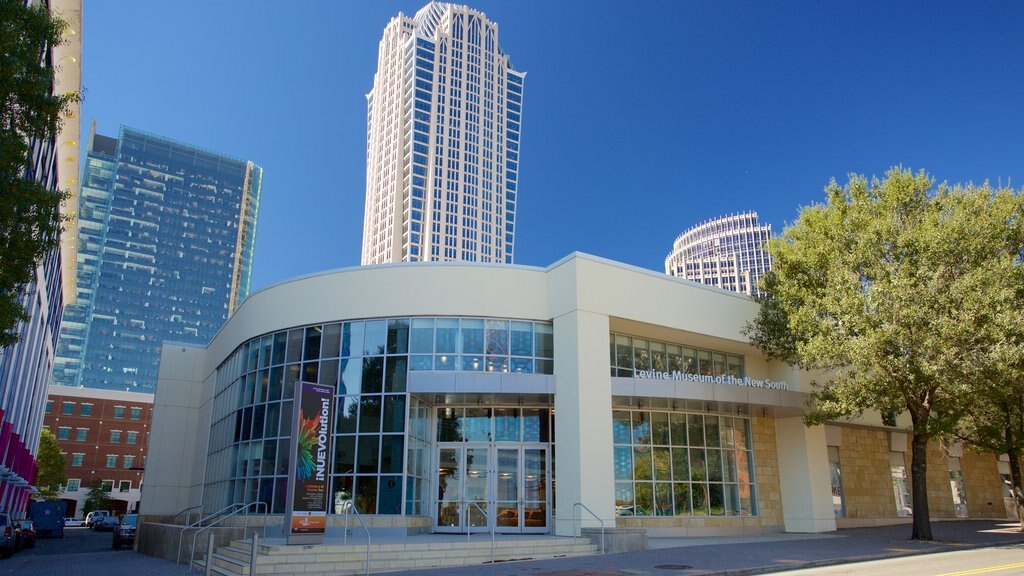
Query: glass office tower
[
  {"x": 443, "y": 133},
  {"x": 730, "y": 252},
  {"x": 166, "y": 233}
]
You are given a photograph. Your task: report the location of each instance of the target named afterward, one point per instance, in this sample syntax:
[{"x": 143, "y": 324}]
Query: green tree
[
  {"x": 51, "y": 467},
  {"x": 97, "y": 498},
  {"x": 30, "y": 219},
  {"x": 886, "y": 288}
]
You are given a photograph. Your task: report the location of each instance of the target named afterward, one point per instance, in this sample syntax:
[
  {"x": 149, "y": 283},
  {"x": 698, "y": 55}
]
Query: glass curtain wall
[
  {"x": 369, "y": 362},
  {"x": 630, "y": 353}
]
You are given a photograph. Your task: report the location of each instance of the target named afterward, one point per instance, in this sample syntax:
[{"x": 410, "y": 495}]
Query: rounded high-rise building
[{"x": 730, "y": 252}]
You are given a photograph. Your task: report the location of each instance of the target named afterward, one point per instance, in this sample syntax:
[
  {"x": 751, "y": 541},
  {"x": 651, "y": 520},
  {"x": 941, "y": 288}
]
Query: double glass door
[{"x": 506, "y": 483}]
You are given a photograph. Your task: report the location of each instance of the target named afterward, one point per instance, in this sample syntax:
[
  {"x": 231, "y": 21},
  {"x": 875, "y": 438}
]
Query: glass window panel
[
  {"x": 330, "y": 343},
  {"x": 714, "y": 465},
  {"x": 662, "y": 464},
  {"x": 348, "y": 411},
  {"x": 678, "y": 428},
  {"x": 395, "y": 375},
  {"x": 728, "y": 432},
  {"x": 699, "y": 494},
  {"x": 312, "y": 350},
  {"x": 624, "y": 499},
  {"x": 369, "y": 413},
  {"x": 624, "y": 352},
  {"x": 545, "y": 340},
  {"x": 743, "y": 434},
  {"x": 680, "y": 464},
  {"x": 283, "y": 455},
  {"x": 536, "y": 425},
  {"x": 736, "y": 366},
  {"x": 368, "y": 454},
  {"x": 292, "y": 374},
  {"x": 265, "y": 346},
  {"x": 497, "y": 364},
  {"x": 729, "y": 470},
  {"x": 422, "y": 337},
  {"x": 476, "y": 425},
  {"x": 394, "y": 413},
  {"x": 659, "y": 428},
  {"x": 698, "y": 465},
  {"x": 472, "y": 363},
  {"x": 663, "y": 499},
  {"x": 732, "y": 499},
  {"x": 641, "y": 354},
  {"x": 497, "y": 337},
  {"x": 275, "y": 384},
  {"x": 273, "y": 422},
  {"x": 421, "y": 362},
  {"x": 682, "y": 499},
  {"x": 311, "y": 372},
  {"x": 711, "y": 431},
  {"x": 258, "y": 414},
  {"x": 286, "y": 421},
  {"x": 392, "y": 450},
  {"x": 544, "y": 367},
  {"x": 704, "y": 364},
  {"x": 352, "y": 339},
  {"x": 344, "y": 455},
  {"x": 506, "y": 425},
  {"x": 342, "y": 484},
  {"x": 642, "y": 463},
  {"x": 445, "y": 362},
  {"x": 373, "y": 374},
  {"x": 641, "y": 427},
  {"x": 623, "y": 463},
  {"x": 696, "y": 429},
  {"x": 748, "y": 504},
  {"x": 280, "y": 340},
  {"x": 716, "y": 499},
  {"x": 365, "y": 501},
  {"x": 644, "y": 499},
  {"x": 351, "y": 381},
  {"x": 521, "y": 366},
  {"x": 389, "y": 500},
  {"x": 472, "y": 336},
  {"x": 658, "y": 359},
  {"x": 449, "y": 424},
  {"x": 675, "y": 358},
  {"x": 328, "y": 372},
  {"x": 447, "y": 336},
  {"x": 398, "y": 336},
  {"x": 621, "y": 427},
  {"x": 375, "y": 338},
  {"x": 718, "y": 361},
  {"x": 689, "y": 360},
  {"x": 521, "y": 338}
]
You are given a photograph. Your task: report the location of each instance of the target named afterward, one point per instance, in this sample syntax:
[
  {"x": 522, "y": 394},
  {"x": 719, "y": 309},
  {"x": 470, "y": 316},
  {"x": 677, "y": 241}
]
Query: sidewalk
[{"x": 727, "y": 556}]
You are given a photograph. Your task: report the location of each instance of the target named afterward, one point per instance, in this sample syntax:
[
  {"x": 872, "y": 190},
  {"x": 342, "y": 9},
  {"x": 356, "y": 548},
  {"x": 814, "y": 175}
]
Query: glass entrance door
[{"x": 476, "y": 479}]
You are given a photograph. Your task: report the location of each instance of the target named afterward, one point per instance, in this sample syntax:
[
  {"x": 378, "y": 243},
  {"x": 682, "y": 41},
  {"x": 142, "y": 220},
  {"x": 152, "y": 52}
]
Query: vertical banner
[{"x": 310, "y": 468}]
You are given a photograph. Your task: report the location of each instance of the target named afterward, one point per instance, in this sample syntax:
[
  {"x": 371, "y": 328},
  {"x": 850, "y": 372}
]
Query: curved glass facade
[{"x": 381, "y": 433}]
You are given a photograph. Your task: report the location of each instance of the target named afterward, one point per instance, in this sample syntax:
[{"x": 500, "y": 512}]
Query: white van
[{"x": 95, "y": 517}]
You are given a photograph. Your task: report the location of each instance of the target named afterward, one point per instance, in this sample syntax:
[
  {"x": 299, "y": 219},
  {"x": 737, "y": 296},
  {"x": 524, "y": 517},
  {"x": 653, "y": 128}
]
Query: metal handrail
[
  {"x": 181, "y": 534},
  {"x": 596, "y": 517},
  {"x": 489, "y": 523},
  {"x": 350, "y": 509},
  {"x": 245, "y": 526},
  {"x": 187, "y": 518}
]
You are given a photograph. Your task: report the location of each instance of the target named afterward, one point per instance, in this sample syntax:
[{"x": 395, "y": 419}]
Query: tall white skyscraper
[
  {"x": 730, "y": 252},
  {"x": 443, "y": 134}
]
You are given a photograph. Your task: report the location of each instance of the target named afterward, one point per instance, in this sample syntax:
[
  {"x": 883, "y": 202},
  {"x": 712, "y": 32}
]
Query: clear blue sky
[{"x": 640, "y": 118}]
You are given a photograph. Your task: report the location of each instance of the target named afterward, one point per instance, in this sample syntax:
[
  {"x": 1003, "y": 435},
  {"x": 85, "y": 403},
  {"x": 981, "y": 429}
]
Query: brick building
[{"x": 103, "y": 435}]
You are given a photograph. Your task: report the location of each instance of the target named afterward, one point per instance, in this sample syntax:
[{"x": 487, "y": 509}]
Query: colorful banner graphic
[{"x": 311, "y": 445}]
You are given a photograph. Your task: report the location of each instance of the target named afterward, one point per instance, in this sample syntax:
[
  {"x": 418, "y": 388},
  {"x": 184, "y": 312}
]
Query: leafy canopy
[
  {"x": 30, "y": 219},
  {"x": 51, "y": 467}
]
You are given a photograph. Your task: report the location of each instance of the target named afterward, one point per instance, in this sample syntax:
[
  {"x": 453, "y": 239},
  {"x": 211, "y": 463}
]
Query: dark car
[
  {"x": 106, "y": 524},
  {"x": 24, "y": 534},
  {"x": 7, "y": 536},
  {"x": 124, "y": 533}
]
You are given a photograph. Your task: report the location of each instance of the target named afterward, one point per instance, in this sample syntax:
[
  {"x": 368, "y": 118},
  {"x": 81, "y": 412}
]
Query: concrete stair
[{"x": 416, "y": 552}]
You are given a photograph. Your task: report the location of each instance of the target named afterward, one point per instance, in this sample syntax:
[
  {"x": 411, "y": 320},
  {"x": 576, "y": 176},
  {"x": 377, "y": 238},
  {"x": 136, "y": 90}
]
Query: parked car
[
  {"x": 124, "y": 533},
  {"x": 106, "y": 523},
  {"x": 74, "y": 522},
  {"x": 93, "y": 518},
  {"x": 6, "y": 536},
  {"x": 24, "y": 534}
]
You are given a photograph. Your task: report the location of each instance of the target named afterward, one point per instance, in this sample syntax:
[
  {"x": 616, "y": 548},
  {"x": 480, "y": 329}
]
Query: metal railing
[
  {"x": 490, "y": 523},
  {"x": 596, "y": 517},
  {"x": 348, "y": 508},
  {"x": 188, "y": 518},
  {"x": 214, "y": 519}
]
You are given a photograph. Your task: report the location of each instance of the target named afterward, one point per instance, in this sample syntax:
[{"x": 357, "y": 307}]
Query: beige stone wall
[
  {"x": 769, "y": 499},
  {"x": 866, "y": 477},
  {"x": 940, "y": 495},
  {"x": 984, "y": 486}
]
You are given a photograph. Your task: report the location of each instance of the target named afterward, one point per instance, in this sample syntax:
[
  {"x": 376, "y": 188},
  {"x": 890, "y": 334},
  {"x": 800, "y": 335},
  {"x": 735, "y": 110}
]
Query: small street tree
[
  {"x": 887, "y": 287},
  {"x": 51, "y": 467},
  {"x": 96, "y": 499},
  {"x": 30, "y": 219}
]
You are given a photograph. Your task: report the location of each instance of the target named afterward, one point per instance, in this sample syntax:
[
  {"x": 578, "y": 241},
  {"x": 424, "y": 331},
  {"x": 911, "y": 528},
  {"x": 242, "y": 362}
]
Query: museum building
[{"x": 471, "y": 394}]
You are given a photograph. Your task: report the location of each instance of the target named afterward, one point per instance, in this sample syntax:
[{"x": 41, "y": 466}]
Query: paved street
[{"x": 998, "y": 561}]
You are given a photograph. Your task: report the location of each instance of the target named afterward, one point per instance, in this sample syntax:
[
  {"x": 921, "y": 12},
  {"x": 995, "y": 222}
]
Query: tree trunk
[
  {"x": 919, "y": 482},
  {"x": 1016, "y": 487}
]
